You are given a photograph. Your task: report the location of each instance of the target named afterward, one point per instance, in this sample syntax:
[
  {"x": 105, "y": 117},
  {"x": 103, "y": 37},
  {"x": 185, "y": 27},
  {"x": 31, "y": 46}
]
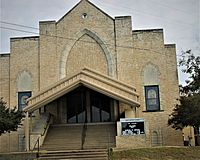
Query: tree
[
  {"x": 10, "y": 119},
  {"x": 187, "y": 111}
]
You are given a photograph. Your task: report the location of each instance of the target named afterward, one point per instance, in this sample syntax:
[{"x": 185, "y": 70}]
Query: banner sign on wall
[{"x": 132, "y": 126}]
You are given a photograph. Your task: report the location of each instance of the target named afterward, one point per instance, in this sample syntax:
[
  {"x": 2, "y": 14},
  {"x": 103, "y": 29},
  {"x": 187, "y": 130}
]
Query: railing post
[{"x": 38, "y": 149}]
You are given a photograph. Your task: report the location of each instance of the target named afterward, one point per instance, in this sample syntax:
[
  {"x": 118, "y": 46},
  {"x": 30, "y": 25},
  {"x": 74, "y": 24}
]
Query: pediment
[
  {"x": 85, "y": 6},
  {"x": 91, "y": 79}
]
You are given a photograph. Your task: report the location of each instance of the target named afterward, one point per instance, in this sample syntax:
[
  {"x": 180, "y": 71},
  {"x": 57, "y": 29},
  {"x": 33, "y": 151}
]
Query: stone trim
[
  {"x": 170, "y": 46},
  {"x": 21, "y": 38},
  {"x": 148, "y": 30},
  {"x": 4, "y": 54},
  {"x": 69, "y": 46}
]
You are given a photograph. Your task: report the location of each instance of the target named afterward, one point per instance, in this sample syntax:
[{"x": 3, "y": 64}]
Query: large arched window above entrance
[
  {"x": 70, "y": 45},
  {"x": 86, "y": 52}
]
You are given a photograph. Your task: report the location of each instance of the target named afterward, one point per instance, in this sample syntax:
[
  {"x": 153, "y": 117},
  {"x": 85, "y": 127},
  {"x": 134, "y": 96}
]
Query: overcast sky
[{"x": 180, "y": 19}]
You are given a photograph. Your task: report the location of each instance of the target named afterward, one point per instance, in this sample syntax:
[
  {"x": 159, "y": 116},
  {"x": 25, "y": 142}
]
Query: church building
[{"x": 90, "y": 81}]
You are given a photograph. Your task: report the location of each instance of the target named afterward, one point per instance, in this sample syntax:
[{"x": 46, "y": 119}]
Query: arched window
[
  {"x": 151, "y": 75},
  {"x": 24, "y": 88},
  {"x": 152, "y": 98},
  {"x": 155, "y": 139},
  {"x": 151, "y": 87}
]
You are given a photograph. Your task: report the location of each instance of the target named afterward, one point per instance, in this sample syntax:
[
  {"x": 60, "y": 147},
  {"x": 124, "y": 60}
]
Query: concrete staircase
[
  {"x": 63, "y": 137},
  {"x": 100, "y": 154},
  {"x": 39, "y": 122},
  {"x": 78, "y": 136},
  {"x": 78, "y": 142},
  {"x": 100, "y": 136}
]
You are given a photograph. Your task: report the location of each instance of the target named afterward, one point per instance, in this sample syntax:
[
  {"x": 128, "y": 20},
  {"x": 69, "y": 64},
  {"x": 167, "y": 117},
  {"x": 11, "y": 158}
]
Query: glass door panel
[
  {"x": 96, "y": 114},
  {"x": 100, "y": 107},
  {"x": 76, "y": 107},
  {"x": 105, "y": 116}
]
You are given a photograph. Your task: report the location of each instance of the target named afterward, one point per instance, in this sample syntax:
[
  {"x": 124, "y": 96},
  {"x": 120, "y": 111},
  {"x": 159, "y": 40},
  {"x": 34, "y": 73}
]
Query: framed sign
[
  {"x": 22, "y": 97},
  {"x": 132, "y": 126}
]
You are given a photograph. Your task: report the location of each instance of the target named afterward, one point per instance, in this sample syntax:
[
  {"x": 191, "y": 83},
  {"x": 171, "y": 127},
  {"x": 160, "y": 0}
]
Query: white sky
[{"x": 180, "y": 19}]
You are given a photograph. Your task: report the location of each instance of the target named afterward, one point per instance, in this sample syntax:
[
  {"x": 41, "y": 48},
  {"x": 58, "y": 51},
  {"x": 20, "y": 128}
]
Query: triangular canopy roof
[{"x": 91, "y": 79}]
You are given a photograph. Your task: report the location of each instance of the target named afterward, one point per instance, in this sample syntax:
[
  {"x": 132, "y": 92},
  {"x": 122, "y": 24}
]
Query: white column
[
  {"x": 136, "y": 112},
  {"x": 27, "y": 136},
  {"x": 30, "y": 122}
]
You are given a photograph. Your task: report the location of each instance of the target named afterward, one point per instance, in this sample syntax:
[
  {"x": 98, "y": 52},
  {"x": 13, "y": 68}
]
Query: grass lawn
[{"x": 163, "y": 153}]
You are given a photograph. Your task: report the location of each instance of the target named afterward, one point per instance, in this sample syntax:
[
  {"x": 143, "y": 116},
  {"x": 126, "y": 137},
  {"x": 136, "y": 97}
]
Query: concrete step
[
  {"x": 72, "y": 137},
  {"x": 75, "y": 154}
]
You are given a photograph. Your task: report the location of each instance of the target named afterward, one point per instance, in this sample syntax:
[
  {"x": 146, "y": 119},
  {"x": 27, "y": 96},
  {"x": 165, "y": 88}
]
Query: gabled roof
[
  {"x": 91, "y": 79},
  {"x": 89, "y": 4}
]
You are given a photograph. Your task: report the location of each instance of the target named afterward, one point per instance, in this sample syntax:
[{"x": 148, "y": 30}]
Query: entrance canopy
[{"x": 91, "y": 79}]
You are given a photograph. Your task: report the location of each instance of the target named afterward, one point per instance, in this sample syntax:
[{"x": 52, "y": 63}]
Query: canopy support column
[{"x": 27, "y": 134}]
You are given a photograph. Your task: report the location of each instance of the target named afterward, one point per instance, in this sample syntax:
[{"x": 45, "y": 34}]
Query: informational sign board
[{"x": 132, "y": 126}]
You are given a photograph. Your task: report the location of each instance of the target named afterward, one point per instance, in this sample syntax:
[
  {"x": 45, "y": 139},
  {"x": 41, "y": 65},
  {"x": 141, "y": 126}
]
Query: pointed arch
[
  {"x": 70, "y": 45},
  {"x": 155, "y": 138},
  {"x": 151, "y": 74},
  {"x": 24, "y": 81}
]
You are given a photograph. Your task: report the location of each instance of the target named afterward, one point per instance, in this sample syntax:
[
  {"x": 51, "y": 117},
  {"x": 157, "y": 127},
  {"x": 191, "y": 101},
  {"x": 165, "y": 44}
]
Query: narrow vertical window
[
  {"x": 22, "y": 97},
  {"x": 152, "y": 98}
]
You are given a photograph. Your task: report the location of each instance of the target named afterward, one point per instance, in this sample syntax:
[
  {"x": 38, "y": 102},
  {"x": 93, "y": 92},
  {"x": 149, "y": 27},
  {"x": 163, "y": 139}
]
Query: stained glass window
[
  {"x": 22, "y": 97},
  {"x": 152, "y": 98}
]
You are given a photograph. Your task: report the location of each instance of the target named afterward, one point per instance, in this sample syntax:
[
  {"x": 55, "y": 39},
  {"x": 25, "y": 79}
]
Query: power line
[
  {"x": 167, "y": 6},
  {"x": 19, "y": 25},
  {"x": 135, "y": 11},
  {"x": 18, "y": 30},
  {"x": 25, "y": 26},
  {"x": 55, "y": 36}
]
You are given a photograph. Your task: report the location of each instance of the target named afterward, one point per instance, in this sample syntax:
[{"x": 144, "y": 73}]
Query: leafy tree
[
  {"x": 187, "y": 111},
  {"x": 10, "y": 119},
  {"x": 191, "y": 66}
]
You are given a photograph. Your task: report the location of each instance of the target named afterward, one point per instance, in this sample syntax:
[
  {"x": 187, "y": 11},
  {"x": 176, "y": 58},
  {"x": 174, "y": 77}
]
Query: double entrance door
[{"x": 85, "y": 106}]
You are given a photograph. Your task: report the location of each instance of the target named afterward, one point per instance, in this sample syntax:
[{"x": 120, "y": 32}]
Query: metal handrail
[
  {"x": 83, "y": 134},
  {"x": 47, "y": 124},
  {"x": 38, "y": 147},
  {"x": 37, "y": 144}
]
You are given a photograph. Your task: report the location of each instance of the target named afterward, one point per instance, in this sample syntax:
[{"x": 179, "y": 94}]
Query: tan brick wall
[
  {"x": 138, "y": 141},
  {"x": 9, "y": 142},
  {"x": 124, "y": 49},
  {"x": 23, "y": 57},
  {"x": 164, "y": 58},
  {"x": 4, "y": 77},
  {"x": 48, "y": 55}
]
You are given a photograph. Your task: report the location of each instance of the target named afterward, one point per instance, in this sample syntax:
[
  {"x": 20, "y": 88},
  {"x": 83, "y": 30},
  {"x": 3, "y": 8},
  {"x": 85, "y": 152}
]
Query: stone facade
[{"x": 88, "y": 37}]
